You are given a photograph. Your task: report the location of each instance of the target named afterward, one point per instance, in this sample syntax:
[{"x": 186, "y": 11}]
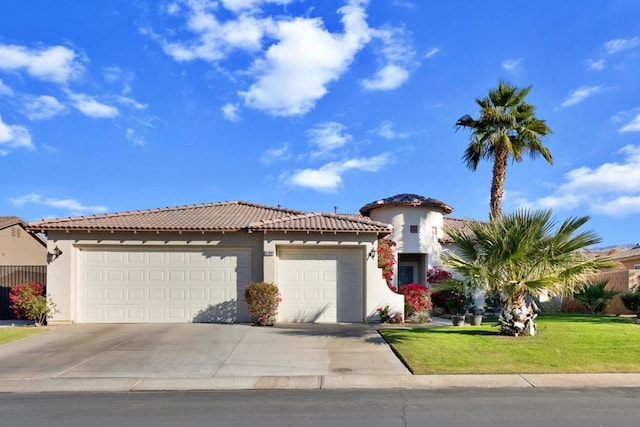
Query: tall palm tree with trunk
[
  {"x": 506, "y": 128},
  {"x": 522, "y": 255}
]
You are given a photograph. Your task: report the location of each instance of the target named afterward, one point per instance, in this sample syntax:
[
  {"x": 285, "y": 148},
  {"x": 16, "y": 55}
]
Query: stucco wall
[
  {"x": 428, "y": 222},
  {"x": 19, "y": 247}
]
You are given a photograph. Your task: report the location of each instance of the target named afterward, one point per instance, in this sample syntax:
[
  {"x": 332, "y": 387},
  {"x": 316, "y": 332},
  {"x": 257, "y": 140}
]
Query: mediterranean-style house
[{"x": 192, "y": 263}]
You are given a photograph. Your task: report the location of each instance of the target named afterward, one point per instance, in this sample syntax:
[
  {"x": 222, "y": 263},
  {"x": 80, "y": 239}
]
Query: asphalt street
[{"x": 470, "y": 407}]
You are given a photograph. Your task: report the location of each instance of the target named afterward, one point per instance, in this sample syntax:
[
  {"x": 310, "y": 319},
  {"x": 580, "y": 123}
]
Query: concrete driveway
[{"x": 88, "y": 351}]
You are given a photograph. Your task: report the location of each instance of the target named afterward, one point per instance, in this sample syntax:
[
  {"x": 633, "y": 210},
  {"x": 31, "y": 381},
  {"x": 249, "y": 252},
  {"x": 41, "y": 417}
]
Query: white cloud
[
  {"x": 43, "y": 107},
  {"x": 580, "y": 95},
  {"x": 632, "y": 126},
  {"x": 57, "y": 64},
  {"x": 12, "y": 137},
  {"x": 611, "y": 189},
  {"x": 72, "y": 205},
  {"x": 622, "y": 206},
  {"x": 398, "y": 61},
  {"x": 597, "y": 65},
  {"x": 294, "y": 59},
  {"x": 295, "y": 71},
  {"x": 214, "y": 39},
  {"x": 134, "y": 137},
  {"x": 617, "y": 45},
  {"x": 512, "y": 65},
  {"x": 387, "y": 131},
  {"x": 89, "y": 106},
  {"x": 276, "y": 154},
  {"x": 243, "y": 5},
  {"x": 387, "y": 78},
  {"x": 432, "y": 52},
  {"x": 328, "y": 136},
  {"x": 329, "y": 177},
  {"x": 230, "y": 112},
  {"x": 5, "y": 90},
  {"x": 131, "y": 102}
]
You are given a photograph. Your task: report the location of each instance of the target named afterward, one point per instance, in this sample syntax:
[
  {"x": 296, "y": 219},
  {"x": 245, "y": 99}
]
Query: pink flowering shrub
[
  {"x": 263, "y": 299},
  {"x": 437, "y": 275},
  {"x": 386, "y": 260},
  {"x": 416, "y": 299},
  {"x": 29, "y": 301}
]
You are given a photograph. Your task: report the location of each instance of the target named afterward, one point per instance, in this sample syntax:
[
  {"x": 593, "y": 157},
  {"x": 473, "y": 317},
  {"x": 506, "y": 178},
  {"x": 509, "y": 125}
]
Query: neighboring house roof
[
  {"x": 406, "y": 200},
  {"x": 216, "y": 217},
  {"x": 627, "y": 254},
  {"x": 9, "y": 221},
  {"x": 454, "y": 224}
]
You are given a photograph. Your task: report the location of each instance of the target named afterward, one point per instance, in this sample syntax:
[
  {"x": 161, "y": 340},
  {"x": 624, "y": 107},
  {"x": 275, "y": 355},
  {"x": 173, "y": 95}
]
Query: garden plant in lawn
[{"x": 520, "y": 255}]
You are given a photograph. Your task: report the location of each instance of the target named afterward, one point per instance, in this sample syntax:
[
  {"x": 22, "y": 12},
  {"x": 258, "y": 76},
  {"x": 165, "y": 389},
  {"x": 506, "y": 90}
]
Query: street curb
[{"x": 320, "y": 382}]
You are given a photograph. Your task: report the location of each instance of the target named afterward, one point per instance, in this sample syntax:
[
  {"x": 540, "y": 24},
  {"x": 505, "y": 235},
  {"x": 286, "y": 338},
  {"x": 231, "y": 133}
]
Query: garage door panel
[
  {"x": 162, "y": 286},
  {"x": 312, "y": 282}
]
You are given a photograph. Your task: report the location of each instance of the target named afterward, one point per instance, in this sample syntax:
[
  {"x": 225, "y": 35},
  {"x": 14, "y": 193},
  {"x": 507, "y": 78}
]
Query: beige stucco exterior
[
  {"x": 420, "y": 247},
  {"x": 19, "y": 247},
  {"x": 63, "y": 282}
]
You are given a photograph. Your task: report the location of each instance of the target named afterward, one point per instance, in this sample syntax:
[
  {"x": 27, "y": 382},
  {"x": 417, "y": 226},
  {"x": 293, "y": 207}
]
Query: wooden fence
[
  {"x": 622, "y": 281},
  {"x": 13, "y": 275}
]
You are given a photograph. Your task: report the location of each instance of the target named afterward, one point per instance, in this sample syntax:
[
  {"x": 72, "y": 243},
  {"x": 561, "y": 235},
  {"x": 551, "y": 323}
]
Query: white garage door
[
  {"x": 320, "y": 285},
  {"x": 164, "y": 285}
]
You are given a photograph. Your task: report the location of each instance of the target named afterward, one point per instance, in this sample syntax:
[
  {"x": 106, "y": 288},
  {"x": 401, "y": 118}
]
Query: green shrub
[
  {"x": 595, "y": 297},
  {"x": 631, "y": 300},
  {"x": 263, "y": 299}
]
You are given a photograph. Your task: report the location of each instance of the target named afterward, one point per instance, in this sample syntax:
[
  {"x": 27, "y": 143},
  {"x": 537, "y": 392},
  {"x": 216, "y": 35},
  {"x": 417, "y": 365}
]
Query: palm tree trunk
[
  {"x": 516, "y": 316},
  {"x": 497, "y": 180}
]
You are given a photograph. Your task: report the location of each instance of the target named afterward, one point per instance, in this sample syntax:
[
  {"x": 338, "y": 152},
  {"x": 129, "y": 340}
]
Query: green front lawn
[
  {"x": 17, "y": 333},
  {"x": 564, "y": 344}
]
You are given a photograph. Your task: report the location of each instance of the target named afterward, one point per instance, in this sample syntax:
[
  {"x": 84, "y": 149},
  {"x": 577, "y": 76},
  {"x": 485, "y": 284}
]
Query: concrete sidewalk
[
  {"x": 331, "y": 382},
  {"x": 198, "y": 357}
]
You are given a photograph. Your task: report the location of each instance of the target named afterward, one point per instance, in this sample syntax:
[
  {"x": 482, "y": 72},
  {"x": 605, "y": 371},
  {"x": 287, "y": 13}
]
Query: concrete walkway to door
[{"x": 202, "y": 355}]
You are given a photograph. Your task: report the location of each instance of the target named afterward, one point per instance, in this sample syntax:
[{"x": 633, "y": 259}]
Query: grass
[
  {"x": 564, "y": 344},
  {"x": 17, "y": 333}
]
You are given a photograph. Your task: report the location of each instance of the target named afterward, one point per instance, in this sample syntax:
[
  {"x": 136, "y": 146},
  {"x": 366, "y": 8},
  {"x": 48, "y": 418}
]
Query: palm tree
[
  {"x": 523, "y": 255},
  {"x": 507, "y": 127}
]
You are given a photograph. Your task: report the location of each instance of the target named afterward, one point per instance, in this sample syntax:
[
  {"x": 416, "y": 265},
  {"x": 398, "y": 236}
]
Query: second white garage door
[
  {"x": 320, "y": 285},
  {"x": 163, "y": 285}
]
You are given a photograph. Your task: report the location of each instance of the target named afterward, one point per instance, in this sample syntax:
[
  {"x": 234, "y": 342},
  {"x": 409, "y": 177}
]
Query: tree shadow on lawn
[
  {"x": 583, "y": 318},
  {"x": 393, "y": 337}
]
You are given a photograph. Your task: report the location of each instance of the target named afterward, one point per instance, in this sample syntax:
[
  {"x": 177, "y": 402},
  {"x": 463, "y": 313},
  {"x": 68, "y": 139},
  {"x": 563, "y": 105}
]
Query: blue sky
[{"x": 122, "y": 105}]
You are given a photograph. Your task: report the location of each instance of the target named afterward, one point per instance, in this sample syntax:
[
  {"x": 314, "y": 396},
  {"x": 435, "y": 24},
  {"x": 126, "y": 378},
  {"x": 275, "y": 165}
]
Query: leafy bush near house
[
  {"x": 631, "y": 300},
  {"x": 29, "y": 301},
  {"x": 263, "y": 299},
  {"x": 416, "y": 299},
  {"x": 595, "y": 297},
  {"x": 455, "y": 296}
]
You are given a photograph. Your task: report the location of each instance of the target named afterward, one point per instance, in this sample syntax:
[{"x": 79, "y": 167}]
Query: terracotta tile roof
[
  {"x": 8, "y": 221},
  {"x": 454, "y": 224},
  {"x": 223, "y": 216},
  {"x": 322, "y": 222},
  {"x": 406, "y": 200}
]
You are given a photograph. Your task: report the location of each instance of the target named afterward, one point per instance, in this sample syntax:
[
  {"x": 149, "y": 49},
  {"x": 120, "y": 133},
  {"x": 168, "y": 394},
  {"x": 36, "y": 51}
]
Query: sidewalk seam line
[{"x": 527, "y": 381}]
